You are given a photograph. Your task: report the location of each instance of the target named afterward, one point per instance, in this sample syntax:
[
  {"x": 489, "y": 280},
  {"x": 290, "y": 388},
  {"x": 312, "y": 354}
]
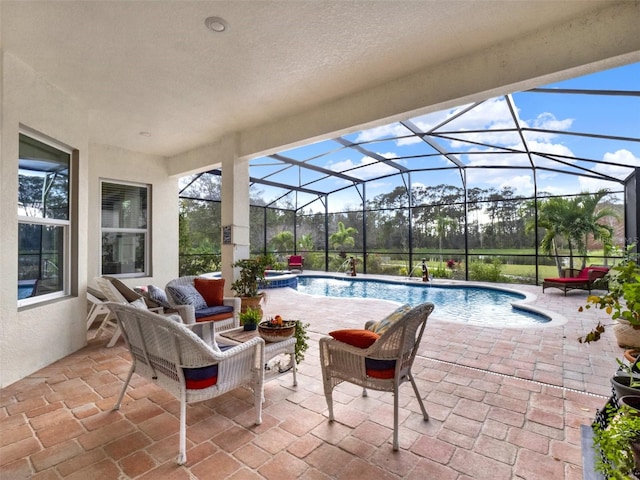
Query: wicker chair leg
[
  {"x": 182, "y": 454},
  {"x": 395, "y": 417},
  {"x": 329, "y": 396},
  {"x": 425, "y": 415},
  {"x": 124, "y": 387},
  {"x": 364, "y": 392},
  {"x": 258, "y": 398},
  {"x": 295, "y": 369}
]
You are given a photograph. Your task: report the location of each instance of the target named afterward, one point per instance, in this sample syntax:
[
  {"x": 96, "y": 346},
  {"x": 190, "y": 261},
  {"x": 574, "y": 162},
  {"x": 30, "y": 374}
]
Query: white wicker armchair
[
  {"x": 396, "y": 347},
  {"x": 170, "y": 355},
  {"x": 221, "y": 325}
]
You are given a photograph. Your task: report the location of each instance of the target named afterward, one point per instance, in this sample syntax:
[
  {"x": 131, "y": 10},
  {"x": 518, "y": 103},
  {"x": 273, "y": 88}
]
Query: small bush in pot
[{"x": 250, "y": 318}]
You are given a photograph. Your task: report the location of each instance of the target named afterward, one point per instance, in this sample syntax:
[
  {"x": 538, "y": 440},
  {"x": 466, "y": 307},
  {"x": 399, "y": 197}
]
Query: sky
[{"x": 478, "y": 138}]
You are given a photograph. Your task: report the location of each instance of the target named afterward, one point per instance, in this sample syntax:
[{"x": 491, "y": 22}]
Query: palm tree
[
  {"x": 343, "y": 238},
  {"x": 305, "y": 242},
  {"x": 282, "y": 242},
  {"x": 592, "y": 217},
  {"x": 572, "y": 220}
]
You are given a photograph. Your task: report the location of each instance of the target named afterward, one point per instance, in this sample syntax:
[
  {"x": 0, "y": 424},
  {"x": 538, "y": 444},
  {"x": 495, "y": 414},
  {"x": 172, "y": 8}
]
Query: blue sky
[{"x": 561, "y": 113}]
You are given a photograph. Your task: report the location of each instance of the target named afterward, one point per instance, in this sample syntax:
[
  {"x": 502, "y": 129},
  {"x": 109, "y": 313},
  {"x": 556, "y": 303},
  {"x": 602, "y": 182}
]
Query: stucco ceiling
[{"x": 152, "y": 66}]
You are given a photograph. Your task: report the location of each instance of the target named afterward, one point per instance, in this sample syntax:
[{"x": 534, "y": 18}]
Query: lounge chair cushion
[
  {"x": 383, "y": 325},
  {"x": 157, "y": 295},
  {"x": 211, "y": 289},
  {"x": 187, "y": 295},
  {"x": 355, "y": 337}
]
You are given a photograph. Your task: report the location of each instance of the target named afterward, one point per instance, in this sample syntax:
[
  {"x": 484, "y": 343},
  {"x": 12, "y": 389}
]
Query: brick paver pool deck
[{"x": 504, "y": 404}]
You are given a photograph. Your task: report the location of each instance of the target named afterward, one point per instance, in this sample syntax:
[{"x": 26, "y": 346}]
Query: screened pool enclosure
[{"x": 507, "y": 189}]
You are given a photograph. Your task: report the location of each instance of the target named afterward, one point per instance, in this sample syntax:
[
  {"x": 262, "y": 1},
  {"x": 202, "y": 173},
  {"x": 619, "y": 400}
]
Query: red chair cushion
[
  {"x": 355, "y": 337},
  {"x": 212, "y": 290},
  {"x": 567, "y": 280}
]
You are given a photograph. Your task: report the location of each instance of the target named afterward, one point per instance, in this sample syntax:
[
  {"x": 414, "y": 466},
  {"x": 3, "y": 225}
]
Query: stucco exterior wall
[
  {"x": 33, "y": 337},
  {"x": 112, "y": 163},
  {"x": 36, "y": 336}
]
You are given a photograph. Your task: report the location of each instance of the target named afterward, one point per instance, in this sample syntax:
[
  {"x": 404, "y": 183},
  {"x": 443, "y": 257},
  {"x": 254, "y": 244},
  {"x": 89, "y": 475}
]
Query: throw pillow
[
  {"x": 212, "y": 290},
  {"x": 157, "y": 295},
  {"x": 356, "y": 338},
  {"x": 383, "y": 325},
  {"x": 187, "y": 295}
]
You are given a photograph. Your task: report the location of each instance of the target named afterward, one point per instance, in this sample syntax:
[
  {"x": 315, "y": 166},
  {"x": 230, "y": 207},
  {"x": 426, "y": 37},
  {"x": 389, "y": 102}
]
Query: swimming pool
[{"x": 470, "y": 304}]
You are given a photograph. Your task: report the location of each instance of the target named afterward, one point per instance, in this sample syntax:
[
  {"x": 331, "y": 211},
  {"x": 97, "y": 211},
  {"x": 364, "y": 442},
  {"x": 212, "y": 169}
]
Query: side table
[{"x": 271, "y": 350}]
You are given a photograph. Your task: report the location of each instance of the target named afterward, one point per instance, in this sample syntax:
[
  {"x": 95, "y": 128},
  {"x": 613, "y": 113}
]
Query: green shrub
[{"x": 486, "y": 272}]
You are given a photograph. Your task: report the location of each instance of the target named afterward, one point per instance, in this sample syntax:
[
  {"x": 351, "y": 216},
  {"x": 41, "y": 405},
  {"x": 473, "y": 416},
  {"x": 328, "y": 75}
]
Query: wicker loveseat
[{"x": 167, "y": 353}]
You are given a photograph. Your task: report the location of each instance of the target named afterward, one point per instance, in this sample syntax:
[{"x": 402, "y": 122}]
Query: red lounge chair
[
  {"x": 583, "y": 281},
  {"x": 295, "y": 262}
]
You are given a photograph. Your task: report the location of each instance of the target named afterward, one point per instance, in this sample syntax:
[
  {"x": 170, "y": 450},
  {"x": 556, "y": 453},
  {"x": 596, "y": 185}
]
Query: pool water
[{"x": 469, "y": 304}]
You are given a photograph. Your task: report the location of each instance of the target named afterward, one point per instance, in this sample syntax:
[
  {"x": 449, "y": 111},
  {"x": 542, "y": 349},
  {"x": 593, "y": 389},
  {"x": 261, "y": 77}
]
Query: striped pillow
[{"x": 383, "y": 325}]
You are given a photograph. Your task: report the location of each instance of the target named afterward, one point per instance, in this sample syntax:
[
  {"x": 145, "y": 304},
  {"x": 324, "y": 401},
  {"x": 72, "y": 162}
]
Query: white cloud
[
  {"x": 382, "y": 132},
  {"x": 621, "y": 157}
]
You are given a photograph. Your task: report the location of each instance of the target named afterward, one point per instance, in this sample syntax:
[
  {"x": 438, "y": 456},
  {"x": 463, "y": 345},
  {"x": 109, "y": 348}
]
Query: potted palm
[{"x": 247, "y": 285}]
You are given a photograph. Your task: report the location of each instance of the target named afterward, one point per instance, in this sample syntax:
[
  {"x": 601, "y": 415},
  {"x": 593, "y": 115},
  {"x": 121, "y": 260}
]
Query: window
[
  {"x": 125, "y": 234},
  {"x": 43, "y": 220}
]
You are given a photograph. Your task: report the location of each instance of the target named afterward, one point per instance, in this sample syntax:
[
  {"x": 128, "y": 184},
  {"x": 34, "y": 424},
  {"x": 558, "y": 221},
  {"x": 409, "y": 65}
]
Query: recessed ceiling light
[{"x": 216, "y": 24}]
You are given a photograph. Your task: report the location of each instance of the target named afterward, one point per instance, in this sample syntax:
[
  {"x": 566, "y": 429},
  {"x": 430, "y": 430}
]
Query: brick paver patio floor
[{"x": 504, "y": 404}]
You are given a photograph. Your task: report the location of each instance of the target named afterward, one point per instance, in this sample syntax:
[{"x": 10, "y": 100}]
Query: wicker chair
[
  {"x": 221, "y": 325},
  {"x": 396, "y": 347},
  {"x": 167, "y": 353}
]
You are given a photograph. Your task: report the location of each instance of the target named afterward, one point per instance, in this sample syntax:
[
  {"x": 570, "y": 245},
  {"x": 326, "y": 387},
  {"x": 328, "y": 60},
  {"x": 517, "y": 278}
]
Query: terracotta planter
[
  {"x": 251, "y": 302},
  {"x": 630, "y": 356}
]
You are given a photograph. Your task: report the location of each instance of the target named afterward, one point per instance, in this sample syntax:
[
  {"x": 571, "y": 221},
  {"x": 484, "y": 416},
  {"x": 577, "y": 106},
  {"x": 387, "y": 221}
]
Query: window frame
[
  {"x": 146, "y": 271},
  {"x": 51, "y": 222}
]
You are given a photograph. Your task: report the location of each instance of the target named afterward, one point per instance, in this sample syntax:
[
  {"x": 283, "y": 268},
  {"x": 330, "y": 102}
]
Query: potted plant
[
  {"x": 247, "y": 285},
  {"x": 618, "y": 443},
  {"x": 622, "y": 302},
  {"x": 250, "y": 318},
  {"x": 626, "y": 380}
]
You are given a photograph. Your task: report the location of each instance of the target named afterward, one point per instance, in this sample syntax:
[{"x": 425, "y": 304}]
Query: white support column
[{"x": 235, "y": 215}]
